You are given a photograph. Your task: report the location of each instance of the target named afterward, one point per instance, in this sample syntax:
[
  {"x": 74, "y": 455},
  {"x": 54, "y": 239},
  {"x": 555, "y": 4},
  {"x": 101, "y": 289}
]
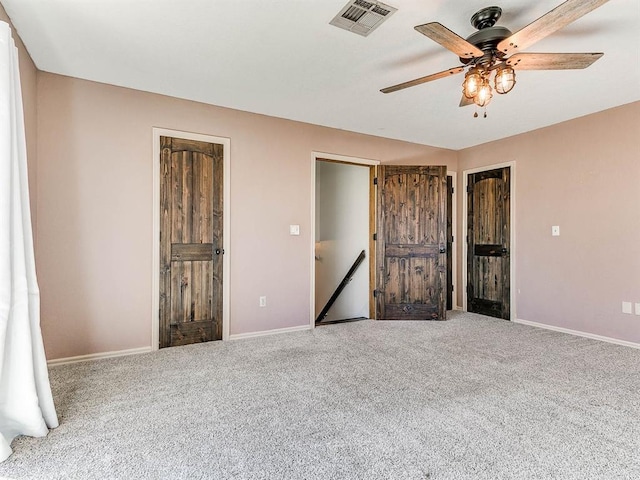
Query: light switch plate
[
  {"x": 637, "y": 308},
  {"x": 294, "y": 229},
  {"x": 555, "y": 230},
  {"x": 626, "y": 307}
]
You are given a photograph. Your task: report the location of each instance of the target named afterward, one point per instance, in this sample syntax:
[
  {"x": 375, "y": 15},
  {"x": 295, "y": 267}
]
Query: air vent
[{"x": 362, "y": 17}]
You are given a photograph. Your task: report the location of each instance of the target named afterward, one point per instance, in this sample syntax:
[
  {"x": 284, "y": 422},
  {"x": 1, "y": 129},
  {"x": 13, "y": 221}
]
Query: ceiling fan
[{"x": 493, "y": 51}]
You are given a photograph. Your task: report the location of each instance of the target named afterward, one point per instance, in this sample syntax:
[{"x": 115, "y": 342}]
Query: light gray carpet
[{"x": 470, "y": 398}]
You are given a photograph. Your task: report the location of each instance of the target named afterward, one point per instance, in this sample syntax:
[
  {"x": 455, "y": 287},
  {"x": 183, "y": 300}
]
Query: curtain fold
[{"x": 26, "y": 403}]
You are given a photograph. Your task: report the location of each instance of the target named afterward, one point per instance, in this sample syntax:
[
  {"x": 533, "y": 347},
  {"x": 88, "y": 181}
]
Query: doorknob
[
  {"x": 504, "y": 251},
  {"x": 443, "y": 249},
  {"x": 218, "y": 251}
]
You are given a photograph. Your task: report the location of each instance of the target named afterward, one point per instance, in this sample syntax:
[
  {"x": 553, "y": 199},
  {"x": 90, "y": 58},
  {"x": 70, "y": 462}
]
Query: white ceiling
[{"x": 282, "y": 58}]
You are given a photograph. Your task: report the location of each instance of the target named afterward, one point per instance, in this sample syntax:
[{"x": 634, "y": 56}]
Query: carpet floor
[{"x": 469, "y": 398}]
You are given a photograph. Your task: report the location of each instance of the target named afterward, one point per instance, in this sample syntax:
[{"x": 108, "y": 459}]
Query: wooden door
[
  {"x": 190, "y": 241},
  {"x": 488, "y": 242},
  {"x": 411, "y": 245},
  {"x": 450, "y": 271}
]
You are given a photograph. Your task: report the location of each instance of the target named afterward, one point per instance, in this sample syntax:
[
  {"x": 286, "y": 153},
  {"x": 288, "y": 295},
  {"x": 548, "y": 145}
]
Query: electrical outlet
[
  {"x": 637, "y": 308},
  {"x": 294, "y": 229},
  {"x": 263, "y": 301},
  {"x": 626, "y": 307},
  {"x": 555, "y": 231}
]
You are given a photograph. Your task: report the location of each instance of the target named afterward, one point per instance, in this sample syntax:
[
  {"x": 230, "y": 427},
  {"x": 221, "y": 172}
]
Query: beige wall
[
  {"x": 95, "y": 209},
  {"x": 583, "y": 175},
  {"x": 89, "y": 147},
  {"x": 28, "y": 75}
]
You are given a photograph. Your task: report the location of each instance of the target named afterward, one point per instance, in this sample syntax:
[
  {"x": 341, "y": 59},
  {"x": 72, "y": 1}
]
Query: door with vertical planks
[
  {"x": 191, "y": 224},
  {"x": 411, "y": 243},
  {"x": 489, "y": 242},
  {"x": 450, "y": 227}
]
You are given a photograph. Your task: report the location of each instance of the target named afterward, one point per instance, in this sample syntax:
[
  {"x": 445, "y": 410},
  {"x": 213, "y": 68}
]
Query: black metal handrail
[{"x": 347, "y": 278}]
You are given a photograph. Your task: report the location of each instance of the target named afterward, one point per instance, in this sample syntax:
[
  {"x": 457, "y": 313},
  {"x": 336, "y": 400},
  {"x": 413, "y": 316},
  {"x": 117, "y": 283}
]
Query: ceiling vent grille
[{"x": 362, "y": 17}]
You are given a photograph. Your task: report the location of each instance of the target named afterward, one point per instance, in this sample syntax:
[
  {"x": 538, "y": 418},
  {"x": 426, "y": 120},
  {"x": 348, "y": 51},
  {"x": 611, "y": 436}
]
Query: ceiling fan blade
[
  {"x": 464, "y": 101},
  {"x": 562, "y": 15},
  {"x": 418, "y": 81},
  {"x": 552, "y": 61},
  {"x": 449, "y": 40}
]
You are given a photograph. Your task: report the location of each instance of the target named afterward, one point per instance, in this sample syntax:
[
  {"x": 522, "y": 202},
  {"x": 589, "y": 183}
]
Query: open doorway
[
  {"x": 342, "y": 240},
  {"x": 334, "y": 194}
]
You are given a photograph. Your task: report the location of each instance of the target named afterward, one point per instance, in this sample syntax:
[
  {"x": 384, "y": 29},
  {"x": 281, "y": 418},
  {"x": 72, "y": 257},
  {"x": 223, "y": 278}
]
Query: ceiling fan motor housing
[{"x": 487, "y": 40}]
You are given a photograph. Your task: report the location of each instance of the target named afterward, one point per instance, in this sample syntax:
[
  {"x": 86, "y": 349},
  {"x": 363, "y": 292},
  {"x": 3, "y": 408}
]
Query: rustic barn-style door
[
  {"x": 191, "y": 224},
  {"x": 411, "y": 242},
  {"x": 488, "y": 242}
]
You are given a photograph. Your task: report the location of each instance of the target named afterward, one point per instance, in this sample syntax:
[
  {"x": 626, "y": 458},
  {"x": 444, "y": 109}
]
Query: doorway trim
[
  {"x": 315, "y": 156},
  {"x": 155, "y": 250},
  {"x": 512, "y": 232}
]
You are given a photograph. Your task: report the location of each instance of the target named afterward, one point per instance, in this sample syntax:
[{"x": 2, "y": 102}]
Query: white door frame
[
  {"x": 226, "y": 243},
  {"x": 315, "y": 156},
  {"x": 512, "y": 232}
]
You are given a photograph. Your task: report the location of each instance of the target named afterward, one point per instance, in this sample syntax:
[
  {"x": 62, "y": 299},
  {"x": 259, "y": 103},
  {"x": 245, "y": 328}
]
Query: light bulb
[
  {"x": 484, "y": 95},
  {"x": 472, "y": 81}
]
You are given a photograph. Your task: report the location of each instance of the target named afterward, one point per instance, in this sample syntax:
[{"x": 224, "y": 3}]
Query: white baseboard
[
  {"x": 240, "y": 336},
  {"x": 135, "y": 351},
  {"x": 97, "y": 356},
  {"x": 578, "y": 333}
]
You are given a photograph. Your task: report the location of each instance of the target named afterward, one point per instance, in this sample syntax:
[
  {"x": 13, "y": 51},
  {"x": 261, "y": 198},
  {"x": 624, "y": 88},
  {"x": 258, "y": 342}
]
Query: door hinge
[
  {"x": 375, "y": 293},
  {"x": 375, "y": 237},
  {"x": 375, "y": 180},
  {"x": 469, "y": 188},
  {"x": 453, "y": 239}
]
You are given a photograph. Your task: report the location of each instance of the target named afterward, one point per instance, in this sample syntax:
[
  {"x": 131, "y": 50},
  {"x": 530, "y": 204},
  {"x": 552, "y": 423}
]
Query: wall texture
[
  {"x": 95, "y": 209},
  {"x": 583, "y": 175}
]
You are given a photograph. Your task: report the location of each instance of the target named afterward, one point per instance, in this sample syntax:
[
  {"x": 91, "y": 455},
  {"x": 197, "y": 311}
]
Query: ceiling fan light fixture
[
  {"x": 505, "y": 79},
  {"x": 484, "y": 95},
  {"x": 472, "y": 82}
]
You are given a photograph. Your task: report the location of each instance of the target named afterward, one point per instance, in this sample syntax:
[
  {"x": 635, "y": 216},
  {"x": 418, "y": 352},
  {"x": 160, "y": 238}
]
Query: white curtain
[{"x": 26, "y": 404}]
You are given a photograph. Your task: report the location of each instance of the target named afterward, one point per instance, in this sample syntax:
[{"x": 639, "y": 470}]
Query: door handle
[
  {"x": 504, "y": 251},
  {"x": 443, "y": 249},
  {"x": 217, "y": 251}
]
